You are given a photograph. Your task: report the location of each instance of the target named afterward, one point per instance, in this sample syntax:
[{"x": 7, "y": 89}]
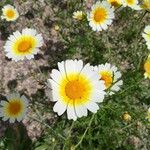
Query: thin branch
[{"x": 77, "y": 145}]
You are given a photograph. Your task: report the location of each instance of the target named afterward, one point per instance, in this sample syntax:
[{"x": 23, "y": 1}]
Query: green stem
[
  {"x": 130, "y": 87},
  {"x": 85, "y": 132},
  {"x": 69, "y": 135},
  {"x": 142, "y": 16}
]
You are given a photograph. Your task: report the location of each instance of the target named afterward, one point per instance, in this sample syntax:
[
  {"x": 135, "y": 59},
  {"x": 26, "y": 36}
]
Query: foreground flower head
[
  {"x": 76, "y": 88},
  {"x": 101, "y": 16},
  {"x": 148, "y": 115},
  {"x": 23, "y": 45},
  {"x": 115, "y": 3},
  {"x": 147, "y": 68},
  {"x": 146, "y": 5},
  {"x": 134, "y": 4},
  {"x": 14, "y": 108},
  {"x": 9, "y": 13},
  {"x": 110, "y": 75},
  {"x": 78, "y": 15},
  {"x": 146, "y": 35}
]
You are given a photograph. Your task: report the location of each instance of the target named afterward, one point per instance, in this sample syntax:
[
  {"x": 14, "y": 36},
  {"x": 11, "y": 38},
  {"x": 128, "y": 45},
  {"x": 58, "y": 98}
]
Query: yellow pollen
[
  {"x": 14, "y": 107},
  {"x": 75, "y": 89},
  {"x": 146, "y": 5},
  {"x": 107, "y": 77},
  {"x": 130, "y": 2},
  {"x": 148, "y": 35},
  {"x": 10, "y": 13},
  {"x": 147, "y": 67},
  {"x": 100, "y": 15},
  {"x": 24, "y": 46}
]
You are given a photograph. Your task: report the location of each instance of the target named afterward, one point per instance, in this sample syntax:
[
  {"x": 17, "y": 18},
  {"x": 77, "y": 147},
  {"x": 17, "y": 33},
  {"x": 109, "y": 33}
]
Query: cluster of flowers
[
  {"x": 102, "y": 15},
  {"x": 75, "y": 87}
]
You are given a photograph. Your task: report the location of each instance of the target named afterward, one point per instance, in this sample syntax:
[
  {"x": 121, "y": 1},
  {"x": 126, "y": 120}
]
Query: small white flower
[
  {"x": 9, "y": 13},
  {"x": 14, "y": 108},
  {"x": 76, "y": 88},
  {"x": 145, "y": 5},
  {"x": 111, "y": 76},
  {"x": 146, "y": 35},
  {"x": 147, "y": 68},
  {"x": 101, "y": 16},
  {"x": 134, "y": 4},
  {"x": 23, "y": 45},
  {"x": 78, "y": 15}
]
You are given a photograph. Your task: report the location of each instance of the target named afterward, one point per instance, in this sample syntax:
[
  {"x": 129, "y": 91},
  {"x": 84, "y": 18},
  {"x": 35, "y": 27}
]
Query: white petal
[
  {"x": 59, "y": 107},
  {"x": 70, "y": 67},
  {"x": 56, "y": 76},
  {"x": 79, "y": 65},
  {"x": 93, "y": 107},
  {"x": 115, "y": 88},
  {"x": 12, "y": 120},
  {"x": 61, "y": 67},
  {"x": 89, "y": 72},
  {"x": 81, "y": 110},
  {"x": 20, "y": 118},
  {"x": 71, "y": 113},
  {"x": 25, "y": 100},
  {"x": 55, "y": 95},
  {"x": 5, "y": 118},
  {"x": 117, "y": 75},
  {"x": 3, "y": 103},
  {"x": 98, "y": 96}
]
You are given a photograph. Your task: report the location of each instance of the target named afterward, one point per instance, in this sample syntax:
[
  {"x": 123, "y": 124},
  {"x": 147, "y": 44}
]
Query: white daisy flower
[
  {"x": 14, "y": 108},
  {"x": 23, "y": 45},
  {"x": 146, "y": 5},
  {"x": 78, "y": 15},
  {"x": 101, "y": 15},
  {"x": 111, "y": 76},
  {"x": 115, "y": 3},
  {"x": 9, "y": 13},
  {"x": 76, "y": 88},
  {"x": 147, "y": 68},
  {"x": 134, "y": 4},
  {"x": 146, "y": 35}
]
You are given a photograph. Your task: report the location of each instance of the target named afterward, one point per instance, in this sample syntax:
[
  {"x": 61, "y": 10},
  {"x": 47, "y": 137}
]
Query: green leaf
[{"x": 42, "y": 147}]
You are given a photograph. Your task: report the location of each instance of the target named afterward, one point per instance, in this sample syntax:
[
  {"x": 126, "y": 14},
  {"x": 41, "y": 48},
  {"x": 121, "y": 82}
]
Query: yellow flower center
[
  {"x": 107, "y": 76},
  {"x": 79, "y": 17},
  {"x": 24, "y": 46},
  {"x": 100, "y": 15},
  {"x": 146, "y": 4},
  {"x": 148, "y": 35},
  {"x": 75, "y": 89},
  {"x": 130, "y": 2},
  {"x": 147, "y": 67},
  {"x": 14, "y": 107},
  {"x": 10, "y": 13}
]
